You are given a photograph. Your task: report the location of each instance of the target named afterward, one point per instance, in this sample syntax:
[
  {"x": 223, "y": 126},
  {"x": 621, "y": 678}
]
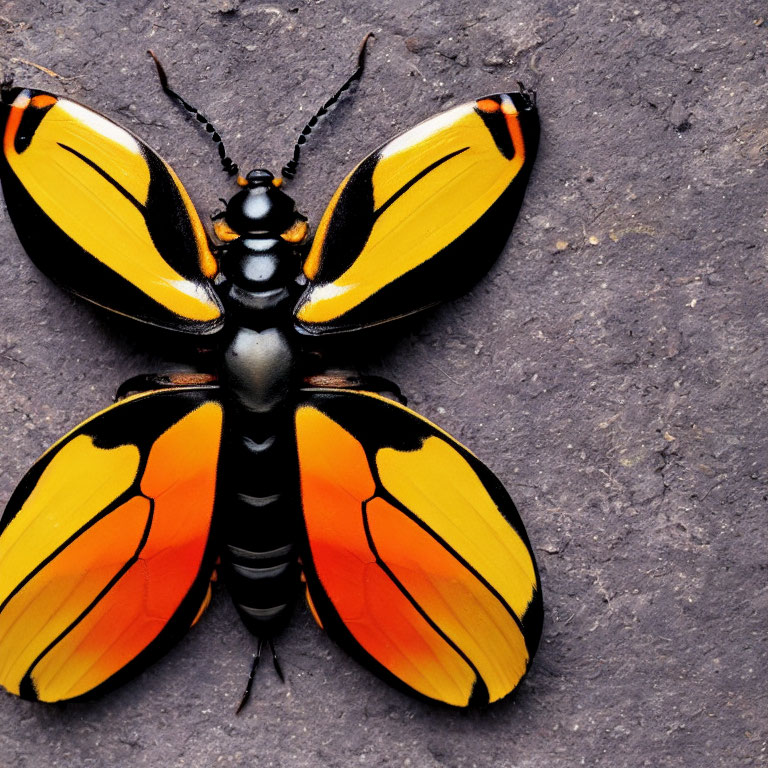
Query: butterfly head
[{"x": 261, "y": 208}]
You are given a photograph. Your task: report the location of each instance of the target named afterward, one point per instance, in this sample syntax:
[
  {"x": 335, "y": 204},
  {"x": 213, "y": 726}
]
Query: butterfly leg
[
  {"x": 150, "y": 382},
  {"x": 276, "y": 661},
  {"x": 254, "y": 666}
]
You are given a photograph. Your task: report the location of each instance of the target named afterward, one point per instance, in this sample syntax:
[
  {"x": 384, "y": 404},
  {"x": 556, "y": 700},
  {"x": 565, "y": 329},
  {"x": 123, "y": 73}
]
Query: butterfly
[{"x": 279, "y": 478}]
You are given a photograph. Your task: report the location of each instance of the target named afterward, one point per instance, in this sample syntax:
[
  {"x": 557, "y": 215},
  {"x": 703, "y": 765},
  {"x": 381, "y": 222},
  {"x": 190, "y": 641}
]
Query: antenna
[
  {"x": 229, "y": 166},
  {"x": 289, "y": 169}
]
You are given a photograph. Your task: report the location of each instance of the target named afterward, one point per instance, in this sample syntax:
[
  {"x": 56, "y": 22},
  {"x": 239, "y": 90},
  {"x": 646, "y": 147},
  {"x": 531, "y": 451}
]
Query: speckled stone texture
[{"x": 611, "y": 369}]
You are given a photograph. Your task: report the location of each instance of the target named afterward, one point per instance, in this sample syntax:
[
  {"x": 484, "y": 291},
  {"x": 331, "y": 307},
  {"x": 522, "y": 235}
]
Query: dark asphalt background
[{"x": 611, "y": 369}]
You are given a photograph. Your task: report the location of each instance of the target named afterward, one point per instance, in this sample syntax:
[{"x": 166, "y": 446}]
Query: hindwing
[
  {"x": 416, "y": 560},
  {"x": 105, "y": 546}
]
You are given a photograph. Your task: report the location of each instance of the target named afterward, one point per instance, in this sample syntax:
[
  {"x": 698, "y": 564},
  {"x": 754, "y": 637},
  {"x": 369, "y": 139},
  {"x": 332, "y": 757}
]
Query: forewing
[
  {"x": 416, "y": 559},
  {"x": 101, "y": 214},
  {"x": 422, "y": 218},
  {"x": 105, "y": 555}
]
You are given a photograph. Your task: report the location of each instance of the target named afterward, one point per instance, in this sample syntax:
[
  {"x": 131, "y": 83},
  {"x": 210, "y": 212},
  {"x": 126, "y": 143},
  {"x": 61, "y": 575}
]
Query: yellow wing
[
  {"x": 422, "y": 218},
  {"x": 103, "y": 215}
]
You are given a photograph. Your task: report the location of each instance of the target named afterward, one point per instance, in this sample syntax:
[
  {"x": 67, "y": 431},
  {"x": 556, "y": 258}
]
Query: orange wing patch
[
  {"x": 457, "y": 601},
  {"x": 404, "y": 554},
  {"x": 335, "y": 485},
  {"x": 83, "y": 607},
  {"x": 54, "y": 598}
]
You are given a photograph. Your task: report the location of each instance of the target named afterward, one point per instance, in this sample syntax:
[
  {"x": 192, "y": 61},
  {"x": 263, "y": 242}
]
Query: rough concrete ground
[{"x": 611, "y": 369}]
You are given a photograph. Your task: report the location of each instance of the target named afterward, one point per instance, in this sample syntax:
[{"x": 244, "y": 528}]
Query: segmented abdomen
[
  {"x": 259, "y": 475},
  {"x": 259, "y": 522}
]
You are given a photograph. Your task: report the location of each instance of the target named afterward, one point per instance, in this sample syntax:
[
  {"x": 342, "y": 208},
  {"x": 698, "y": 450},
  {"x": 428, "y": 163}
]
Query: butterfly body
[
  {"x": 415, "y": 559},
  {"x": 259, "y": 515}
]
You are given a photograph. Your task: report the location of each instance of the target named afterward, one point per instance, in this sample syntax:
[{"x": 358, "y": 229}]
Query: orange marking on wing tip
[
  {"x": 512, "y": 118},
  {"x": 509, "y": 108},
  {"x": 12, "y": 124},
  {"x": 488, "y": 105},
  {"x": 513, "y": 126},
  {"x": 42, "y": 100}
]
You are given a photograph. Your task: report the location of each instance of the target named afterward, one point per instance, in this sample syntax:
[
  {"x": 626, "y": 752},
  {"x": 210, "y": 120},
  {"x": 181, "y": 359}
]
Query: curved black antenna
[
  {"x": 289, "y": 169},
  {"x": 229, "y": 166}
]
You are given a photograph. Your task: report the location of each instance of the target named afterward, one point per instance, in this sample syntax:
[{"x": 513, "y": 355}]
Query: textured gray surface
[{"x": 611, "y": 369}]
